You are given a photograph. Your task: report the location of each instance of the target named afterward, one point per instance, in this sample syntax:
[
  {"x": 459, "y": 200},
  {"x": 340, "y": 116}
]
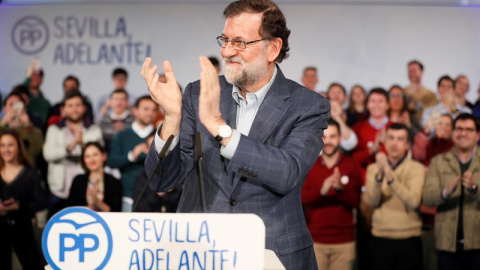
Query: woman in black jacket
[
  {"x": 95, "y": 189},
  {"x": 21, "y": 195}
]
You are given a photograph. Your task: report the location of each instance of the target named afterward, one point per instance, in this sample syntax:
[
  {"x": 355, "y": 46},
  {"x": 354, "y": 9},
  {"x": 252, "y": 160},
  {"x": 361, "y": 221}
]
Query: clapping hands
[
  {"x": 168, "y": 94},
  {"x": 332, "y": 181}
]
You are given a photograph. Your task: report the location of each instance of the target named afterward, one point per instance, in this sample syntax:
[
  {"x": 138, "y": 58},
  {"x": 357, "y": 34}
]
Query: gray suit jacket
[{"x": 265, "y": 175}]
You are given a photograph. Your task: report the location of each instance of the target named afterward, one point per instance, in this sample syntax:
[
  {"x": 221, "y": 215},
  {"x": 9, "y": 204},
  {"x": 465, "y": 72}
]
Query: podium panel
[{"x": 79, "y": 238}]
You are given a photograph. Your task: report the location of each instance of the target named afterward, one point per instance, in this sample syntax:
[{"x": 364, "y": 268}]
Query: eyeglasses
[
  {"x": 469, "y": 130},
  {"x": 237, "y": 44}
]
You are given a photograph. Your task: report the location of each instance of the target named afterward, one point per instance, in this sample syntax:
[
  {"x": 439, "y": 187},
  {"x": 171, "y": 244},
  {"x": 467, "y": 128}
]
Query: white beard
[{"x": 247, "y": 74}]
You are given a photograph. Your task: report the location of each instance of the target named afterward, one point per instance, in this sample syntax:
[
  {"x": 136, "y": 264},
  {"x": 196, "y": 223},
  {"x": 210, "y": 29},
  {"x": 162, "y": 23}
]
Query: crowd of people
[
  {"x": 52, "y": 157},
  {"x": 403, "y": 194},
  {"x": 395, "y": 182}
]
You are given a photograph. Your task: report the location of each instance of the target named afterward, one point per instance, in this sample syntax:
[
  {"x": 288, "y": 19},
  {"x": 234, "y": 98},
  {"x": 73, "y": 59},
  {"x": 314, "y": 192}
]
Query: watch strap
[{"x": 219, "y": 138}]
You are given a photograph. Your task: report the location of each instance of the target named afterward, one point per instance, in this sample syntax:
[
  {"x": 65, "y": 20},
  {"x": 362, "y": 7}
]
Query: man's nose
[{"x": 228, "y": 50}]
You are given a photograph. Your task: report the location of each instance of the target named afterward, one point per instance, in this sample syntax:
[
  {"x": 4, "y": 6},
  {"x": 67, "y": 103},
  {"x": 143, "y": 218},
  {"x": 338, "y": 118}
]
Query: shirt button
[{"x": 233, "y": 202}]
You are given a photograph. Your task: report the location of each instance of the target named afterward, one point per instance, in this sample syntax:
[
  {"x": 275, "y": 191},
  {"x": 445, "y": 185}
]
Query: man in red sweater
[
  {"x": 330, "y": 193},
  {"x": 371, "y": 132}
]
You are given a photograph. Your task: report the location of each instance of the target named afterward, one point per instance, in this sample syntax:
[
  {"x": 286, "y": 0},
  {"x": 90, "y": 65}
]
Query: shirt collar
[
  {"x": 142, "y": 133},
  {"x": 339, "y": 160},
  {"x": 395, "y": 166},
  {"x": 376, "y": 126},
  {"x": 121, "y": 117},
  {"x": 469, "y": 157},
  {"x": 260, "y": 94}
]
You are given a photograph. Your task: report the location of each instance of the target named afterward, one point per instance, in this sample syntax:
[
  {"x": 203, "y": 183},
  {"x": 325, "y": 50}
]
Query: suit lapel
[
  {"x": 228, "y": 106},
  {"x": 475, "y": 165},
  {"x": 453, "y": 162},
  {"x": 272, "y": 109}
]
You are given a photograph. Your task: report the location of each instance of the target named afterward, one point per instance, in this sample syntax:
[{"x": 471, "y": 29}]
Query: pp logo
[
  {"x": 77, "y": 238},
  {"x": 30, "y": 35}
]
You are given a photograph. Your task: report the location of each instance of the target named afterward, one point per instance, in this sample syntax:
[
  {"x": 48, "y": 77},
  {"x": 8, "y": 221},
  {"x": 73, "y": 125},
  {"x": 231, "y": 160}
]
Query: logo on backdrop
[
  {"x": 30, "y": 35},
  {"x": 79, "y": 40},
  {"x": 77, "y": 236}
]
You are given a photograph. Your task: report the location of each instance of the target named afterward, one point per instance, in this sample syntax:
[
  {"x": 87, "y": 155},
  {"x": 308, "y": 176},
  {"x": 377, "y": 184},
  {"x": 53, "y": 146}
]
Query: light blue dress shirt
[
  {"x": 442, "y": 110},
  {"x": 246, "y": 111},
  {"x": 378, "y": 126}
]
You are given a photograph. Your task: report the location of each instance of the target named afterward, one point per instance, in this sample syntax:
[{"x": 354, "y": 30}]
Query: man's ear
[{"x": 275, "y": 48}]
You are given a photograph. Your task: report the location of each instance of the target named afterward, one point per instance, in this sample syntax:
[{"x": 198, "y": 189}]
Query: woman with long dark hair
[
  {"x": 399, "y": 113},
  {"x": 21, "y": 195},
  {"x": 357, "y": 111},
  {"x": 95, "y": 189}
]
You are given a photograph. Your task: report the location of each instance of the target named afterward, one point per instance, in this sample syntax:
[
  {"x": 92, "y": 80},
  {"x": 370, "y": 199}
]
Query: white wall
[{"x": 351, "y": 44}]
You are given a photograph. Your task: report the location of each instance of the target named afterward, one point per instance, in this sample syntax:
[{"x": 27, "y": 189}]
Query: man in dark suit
[{"x": 261, "y": 132}]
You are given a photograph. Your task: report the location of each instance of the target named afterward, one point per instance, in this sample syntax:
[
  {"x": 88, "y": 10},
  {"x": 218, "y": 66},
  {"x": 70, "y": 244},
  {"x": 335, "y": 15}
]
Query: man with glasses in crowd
[
  {"x": 261, "y": 133},
  {"x": 452, "y": 185}
]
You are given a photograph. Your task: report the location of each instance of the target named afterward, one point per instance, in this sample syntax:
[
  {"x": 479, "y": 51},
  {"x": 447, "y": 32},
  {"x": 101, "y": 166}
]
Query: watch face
[{"x": 224, "y": 131}]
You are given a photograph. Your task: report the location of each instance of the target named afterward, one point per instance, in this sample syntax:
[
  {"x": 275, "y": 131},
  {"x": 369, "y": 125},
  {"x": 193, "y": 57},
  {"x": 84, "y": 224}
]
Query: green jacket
[
  {"x": 124, "y": 142},
  {"x": 443, "y": 169},
  {"x": 40, "y": 107}
]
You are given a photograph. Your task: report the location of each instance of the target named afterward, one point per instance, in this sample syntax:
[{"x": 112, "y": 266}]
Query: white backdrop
[{"x": 366, "y": 44}]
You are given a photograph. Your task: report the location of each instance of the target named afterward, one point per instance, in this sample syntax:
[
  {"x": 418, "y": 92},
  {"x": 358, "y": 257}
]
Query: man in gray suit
[{"x": 261, "y": 132}]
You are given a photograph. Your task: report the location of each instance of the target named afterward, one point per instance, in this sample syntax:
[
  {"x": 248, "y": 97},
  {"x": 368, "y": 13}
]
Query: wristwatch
[
  {"x": 224, "y": 131},
  {"x": 389, "y": 181},
  {"x": 473, "y": 189}
]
